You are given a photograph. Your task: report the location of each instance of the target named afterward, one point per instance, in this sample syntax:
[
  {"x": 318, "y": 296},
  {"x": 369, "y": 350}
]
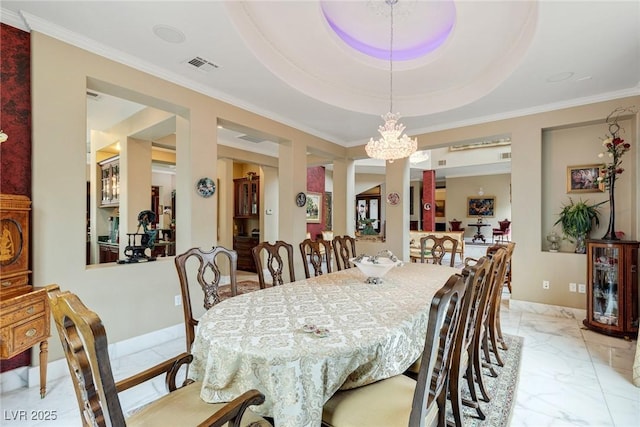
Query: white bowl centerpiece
[{"x": 376, "y": 266}]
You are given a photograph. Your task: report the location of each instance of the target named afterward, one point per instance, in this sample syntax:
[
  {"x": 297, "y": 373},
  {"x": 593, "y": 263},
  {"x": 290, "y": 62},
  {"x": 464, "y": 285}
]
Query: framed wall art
[
  {"x": 584, "y": 179},
  {"x": 314, "y": 207},
  {"x": 481, "y": 206}
]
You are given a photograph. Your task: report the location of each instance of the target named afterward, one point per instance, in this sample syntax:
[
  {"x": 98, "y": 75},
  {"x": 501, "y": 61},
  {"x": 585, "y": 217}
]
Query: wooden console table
[
  {"x": 478, "y": 235},
  {"x": 25, "y": 323}
]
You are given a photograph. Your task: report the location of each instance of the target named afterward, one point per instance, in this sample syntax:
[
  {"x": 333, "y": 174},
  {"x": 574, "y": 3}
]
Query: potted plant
[{"x": 577, "y": 220}]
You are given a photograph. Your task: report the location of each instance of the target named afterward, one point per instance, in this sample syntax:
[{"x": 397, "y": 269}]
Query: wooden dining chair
[
  {"x": 344, "y": 248},
  {"x": 400, "y": 400},
  {"x": 494, "y": 329},
  {"x": 85, "y": 345},
  {"x": 278, "y": 256},
  {"x": 207, "y": 272},
  {"x": 464, "y": 355},
  {"x": 316, "y": 254},
  {"x": 433, "y": 249}
]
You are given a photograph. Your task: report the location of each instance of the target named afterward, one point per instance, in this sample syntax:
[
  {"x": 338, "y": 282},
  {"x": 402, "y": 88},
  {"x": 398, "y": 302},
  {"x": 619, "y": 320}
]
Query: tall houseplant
[
  {"x": 577, "y": 219},
  {"x": 615, "y": 147}
]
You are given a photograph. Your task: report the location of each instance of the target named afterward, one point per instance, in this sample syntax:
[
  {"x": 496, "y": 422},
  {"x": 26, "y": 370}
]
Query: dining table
[{"x": 300, "y": 342}]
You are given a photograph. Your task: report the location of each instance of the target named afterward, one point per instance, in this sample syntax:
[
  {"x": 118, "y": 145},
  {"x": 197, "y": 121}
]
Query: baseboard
[{"x": 549, "y": 310}]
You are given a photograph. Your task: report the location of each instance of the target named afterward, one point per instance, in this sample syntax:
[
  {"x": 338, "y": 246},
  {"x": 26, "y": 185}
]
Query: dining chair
[
  {"x": 344, "y": 248},
  {"x": 316, "y": 254},
  {"x": 466, "y": 356},
  {"x": 208, "y": 274},
  {"x": 494, "y": 327},
  {"x": 502, "y": 232},
  {"x": 277, "y": 254},
  {"x": 435, "y": 252},
  {"x": 84, "y": 341},
  {"x": 400, "y": 400}
]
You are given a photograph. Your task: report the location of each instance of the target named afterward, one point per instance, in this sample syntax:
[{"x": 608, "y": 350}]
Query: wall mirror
[{"x": 131, "y": 168}]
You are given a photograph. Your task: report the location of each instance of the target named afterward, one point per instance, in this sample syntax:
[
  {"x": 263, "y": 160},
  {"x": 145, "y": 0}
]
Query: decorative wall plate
[
  {"x": 393, "y": 198},
  {"x": 206, "y": 187},
  {"x": 301, "y": 199}
]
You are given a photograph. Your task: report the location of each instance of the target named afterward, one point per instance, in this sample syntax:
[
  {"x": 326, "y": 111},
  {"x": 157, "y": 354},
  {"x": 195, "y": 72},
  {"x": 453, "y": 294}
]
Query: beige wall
[
  {"x": 459, "y": 189},
  {"x": 136, "y": 299},
  {"x": 139, "y": 298},
  {"x": 532, "y": 264}
]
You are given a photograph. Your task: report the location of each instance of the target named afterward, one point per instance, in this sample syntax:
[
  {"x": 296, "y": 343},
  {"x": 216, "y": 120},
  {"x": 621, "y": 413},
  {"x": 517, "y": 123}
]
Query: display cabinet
[
  {"x": 110, "y": 170},
  {"x": 612, "y": 287},
  {"x": 246, "y": 220},
  {"x": 247, "y": 197}
]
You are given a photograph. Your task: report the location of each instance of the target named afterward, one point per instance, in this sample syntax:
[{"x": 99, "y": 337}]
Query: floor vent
[
  {"x": 442, "y": 163},
  {"x": 202, "y": 64}
]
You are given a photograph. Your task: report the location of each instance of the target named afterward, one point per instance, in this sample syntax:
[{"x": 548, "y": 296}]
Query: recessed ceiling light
[
  {"x": 169, "y": 34},
  {"x": 555, "y": 78}
]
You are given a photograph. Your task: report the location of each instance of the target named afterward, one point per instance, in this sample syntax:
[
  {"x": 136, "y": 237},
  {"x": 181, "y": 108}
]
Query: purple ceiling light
[{"x": 424, "y": 26}]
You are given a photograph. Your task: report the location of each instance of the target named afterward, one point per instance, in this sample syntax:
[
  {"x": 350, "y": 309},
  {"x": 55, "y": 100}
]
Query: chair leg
[
  {"x": 477, "y": 365},
  {"x": 493, "y": 336}
]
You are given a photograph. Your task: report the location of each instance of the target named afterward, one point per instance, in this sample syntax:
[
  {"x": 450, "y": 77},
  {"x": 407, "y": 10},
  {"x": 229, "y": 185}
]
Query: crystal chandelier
[{"x": 393, "y": 144}]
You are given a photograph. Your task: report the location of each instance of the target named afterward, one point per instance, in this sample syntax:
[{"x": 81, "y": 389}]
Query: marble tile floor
[{"x": 569, "y": 376}]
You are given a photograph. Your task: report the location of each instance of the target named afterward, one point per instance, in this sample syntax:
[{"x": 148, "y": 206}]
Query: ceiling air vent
[
  {"x": 202, "y": 64},
  {"x": 504, "y": 156},
  {"x": 442, "y": 163},
  {"x": 250, "y": 138},
  {"x": 93, "y": 95}
]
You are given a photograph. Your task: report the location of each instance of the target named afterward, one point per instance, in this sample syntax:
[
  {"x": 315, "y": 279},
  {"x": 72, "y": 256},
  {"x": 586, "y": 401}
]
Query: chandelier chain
[{"x": 391, "y": 61}]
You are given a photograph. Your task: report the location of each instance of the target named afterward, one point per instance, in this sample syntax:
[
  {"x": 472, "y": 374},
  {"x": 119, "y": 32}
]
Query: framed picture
[
  {"x": 481, "y": 206},
  {"x": 314, "y": 207},
  {"x": 439, "y": 208},
  {"x": 584, "y": 179}
]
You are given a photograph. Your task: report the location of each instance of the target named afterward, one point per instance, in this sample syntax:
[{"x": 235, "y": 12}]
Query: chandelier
[{"x": 393, "y": 144}]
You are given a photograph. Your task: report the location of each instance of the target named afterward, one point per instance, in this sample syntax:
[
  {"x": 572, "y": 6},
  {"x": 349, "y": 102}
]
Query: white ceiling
[{"x": 281, "y": 59}]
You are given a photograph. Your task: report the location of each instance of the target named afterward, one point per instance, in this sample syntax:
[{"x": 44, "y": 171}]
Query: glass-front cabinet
[
  {"x": 246, "y": 220},
  {"x": 612, "y": 293}
]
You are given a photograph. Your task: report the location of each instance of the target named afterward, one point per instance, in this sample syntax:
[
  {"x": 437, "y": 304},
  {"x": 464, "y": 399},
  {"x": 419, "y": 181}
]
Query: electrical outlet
[
  {"x": 572, "y": 287},
  {"x": 177, "y": 300},
  {"x": 545, "y": 284},
  {"x": 582, "y": 288}
]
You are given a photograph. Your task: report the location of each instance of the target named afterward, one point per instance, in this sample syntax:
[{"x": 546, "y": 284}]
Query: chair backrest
[
  {"x": 435, "y": 252},
  {"x": 455, "y": 225},
  {"x": 85, "y": 346},
  {"x": 445, "y": 315},
  {"x": 208, "y": 274},
  {"x": 316, "y": 253},
  {"x": 275, "y": 262},
  {"x": 504, "y": 225},
  {"x": 344, "y": 248},
  {"x": 479, "y": 294}
]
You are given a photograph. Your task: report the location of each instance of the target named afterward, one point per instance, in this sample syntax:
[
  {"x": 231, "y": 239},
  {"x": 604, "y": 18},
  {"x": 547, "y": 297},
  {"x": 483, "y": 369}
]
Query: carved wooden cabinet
[
  {"x": 14, "y": 245},
  {"x": 24, "y": 312},
  {"x": 612, "y": 287},
  {"x": 246, "y": 220}
]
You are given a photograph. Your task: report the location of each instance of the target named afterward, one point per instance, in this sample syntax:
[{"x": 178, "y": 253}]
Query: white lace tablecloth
[{"x": 256, "y": 340}]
